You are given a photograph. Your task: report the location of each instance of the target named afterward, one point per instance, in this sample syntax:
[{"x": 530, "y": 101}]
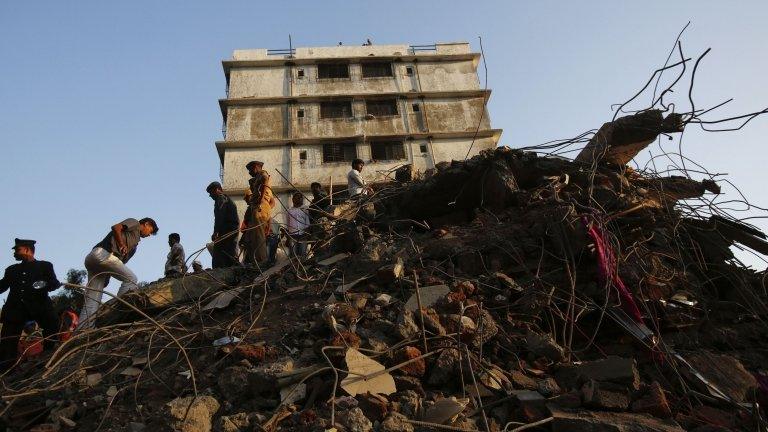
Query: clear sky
[{"x": 109, "y": 110}]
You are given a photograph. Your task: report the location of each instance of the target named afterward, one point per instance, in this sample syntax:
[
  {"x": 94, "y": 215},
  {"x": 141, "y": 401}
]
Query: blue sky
[{"x": 109, "y": 109}]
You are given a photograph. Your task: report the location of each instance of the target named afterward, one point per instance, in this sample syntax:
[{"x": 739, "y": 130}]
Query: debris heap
[{"x": 511, "y": 291}]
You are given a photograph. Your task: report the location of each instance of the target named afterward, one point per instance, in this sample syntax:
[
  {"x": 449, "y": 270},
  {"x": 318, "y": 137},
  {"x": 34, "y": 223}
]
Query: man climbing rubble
[
  {"x": 225, "y": 225},
  {"x": 175, "y": 265},
  {"x": 108, "y": 259},
  {"x": 259, "y": 211},
  {"x": 29, "y": 283}
]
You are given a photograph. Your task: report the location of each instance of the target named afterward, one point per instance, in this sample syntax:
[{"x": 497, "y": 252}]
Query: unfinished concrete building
[{"x": 308, "y": 112}]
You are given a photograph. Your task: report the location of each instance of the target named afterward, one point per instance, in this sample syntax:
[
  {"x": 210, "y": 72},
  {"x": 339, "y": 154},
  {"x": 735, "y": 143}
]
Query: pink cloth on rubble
[{"x": 606, "y": 261}]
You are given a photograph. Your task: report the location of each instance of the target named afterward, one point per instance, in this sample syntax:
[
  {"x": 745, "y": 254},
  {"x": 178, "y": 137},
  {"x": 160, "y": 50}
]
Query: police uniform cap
[
  {"x": 212, "y": 186},
  {"x": 23, "y": 242},
  {"x": 252, "y": 163}
]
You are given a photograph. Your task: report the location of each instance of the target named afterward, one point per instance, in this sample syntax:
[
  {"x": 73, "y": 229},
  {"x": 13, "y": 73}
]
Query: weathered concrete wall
[
  {"x": 275, "y": 81},
  {"x": 256, "y": 122},
  {"x": 448, "y": 115},
  {"x": 268, "y": 121},
  {"x": 446, "y": 76},
  {"x": 258, "y": 82}
]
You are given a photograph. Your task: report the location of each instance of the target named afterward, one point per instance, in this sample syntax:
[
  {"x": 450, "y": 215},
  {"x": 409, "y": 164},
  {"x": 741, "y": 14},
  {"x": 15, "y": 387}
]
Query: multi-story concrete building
[{"x": 308, "y": 112}]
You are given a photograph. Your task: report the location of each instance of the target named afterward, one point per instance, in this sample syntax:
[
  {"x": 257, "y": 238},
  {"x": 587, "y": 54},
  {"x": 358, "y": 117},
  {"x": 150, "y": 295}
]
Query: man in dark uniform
[
  {"x": 226, "y": 224},
  {"x": 29, "y": 282}
]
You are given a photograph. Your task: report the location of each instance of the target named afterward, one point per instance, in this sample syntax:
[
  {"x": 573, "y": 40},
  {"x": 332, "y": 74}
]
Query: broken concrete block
[
  {"x": 613, "y": 369},
  {"x": 621, "y": 140},
  {"x": 233, "y": 423},
  {"x": 602, "y": 421},
  {"x": 263, "y": 379},
  {"x": 415, "y": 368},
  {"x": 522, "y": 381},
  {"x": 603, "y": 395},
  {"x": 429, "y": 296},
  {"x": 395, "y": 422},
  {"x": 356, "y": 421},
  {"x": 726, "y": 373},
  {"x": 570, "y": 400},
  {"x": 543, "y": 345},
  {"x": 192, "y": 414},
  {"x": 548, "y": 387},
  {"x": 405, "y": 326},
  {"x": 232, "y": 383},
  {"x": 653, "y": 401},
  {"x": 374, "y": 406},
  {"x": 445, "y": 367},
  {"x": 445, "y": 410}
]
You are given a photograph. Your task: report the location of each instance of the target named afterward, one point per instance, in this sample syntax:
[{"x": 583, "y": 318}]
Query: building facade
[{"x": 308, "y": 112}]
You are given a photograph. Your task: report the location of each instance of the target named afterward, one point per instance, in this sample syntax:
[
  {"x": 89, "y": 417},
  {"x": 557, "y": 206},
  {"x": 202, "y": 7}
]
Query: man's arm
[
  {"x": 5, "y": 284},
  {"x": 52, "y": 282},
  {"x": 117, "y": 233}
]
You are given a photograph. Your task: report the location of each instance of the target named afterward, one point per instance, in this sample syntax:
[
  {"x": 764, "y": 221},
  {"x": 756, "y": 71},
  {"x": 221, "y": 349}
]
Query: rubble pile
[{"x": 511, "y": 291}]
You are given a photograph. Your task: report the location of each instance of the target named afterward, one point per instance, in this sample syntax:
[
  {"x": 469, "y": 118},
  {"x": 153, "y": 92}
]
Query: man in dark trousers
[
  {"x": 29, "y": 283},
  {"x": 226, "y": 225}
]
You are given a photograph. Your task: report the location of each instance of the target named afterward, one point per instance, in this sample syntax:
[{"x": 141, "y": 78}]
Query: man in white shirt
[
  {"x": 356, "y": 186},
  {"x": 298, "y": 222}
]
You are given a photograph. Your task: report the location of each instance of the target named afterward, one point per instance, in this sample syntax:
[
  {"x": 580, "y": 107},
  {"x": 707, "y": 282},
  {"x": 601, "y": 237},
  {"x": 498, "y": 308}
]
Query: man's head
[
  {"x": 196, "y": 266},
  {"x": 173, "y": 238},
  {"x": 298, "y": 199},
  {"x": 358, "y": 164},
  {"x": 214, "y": 189},
  {"x": 23, "y": 250},
  {"x": 254, "y": 167},
  {"x": 147, "y": 227},
  {"x": 316, "y": 187}
]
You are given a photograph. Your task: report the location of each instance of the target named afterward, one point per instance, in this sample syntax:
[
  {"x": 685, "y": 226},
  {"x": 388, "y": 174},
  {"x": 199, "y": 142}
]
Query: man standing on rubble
[
  {"x": 320, "y": 202},
  {"x": 356, "y": 185},
  {"x": 225, "y": 228},
  {"x": 260, "y": 211},
  {"x": 29, "y": 283},
  {"x": 175, "y": 264},
  {"x": 108, "y": 259}
]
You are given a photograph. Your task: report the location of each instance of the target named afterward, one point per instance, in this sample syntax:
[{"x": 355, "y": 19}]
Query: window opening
[
  {"x": 376, "y": 70},
  {"x": 300, "y": 113},
  {"x": 332, "y": 70},
  {"x": 415, "y": 107},
  {"x": 409, "y": 70},
  {"x": 339, "y": 152},
  {"x": 335, "y": 109},
  {"x": 386, "y": 107},
  {"x": 387, "y": 150}
]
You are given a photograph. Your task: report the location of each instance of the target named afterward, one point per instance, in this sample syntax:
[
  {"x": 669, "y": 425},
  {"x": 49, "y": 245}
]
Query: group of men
[{"x": 30, "y": 281}]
